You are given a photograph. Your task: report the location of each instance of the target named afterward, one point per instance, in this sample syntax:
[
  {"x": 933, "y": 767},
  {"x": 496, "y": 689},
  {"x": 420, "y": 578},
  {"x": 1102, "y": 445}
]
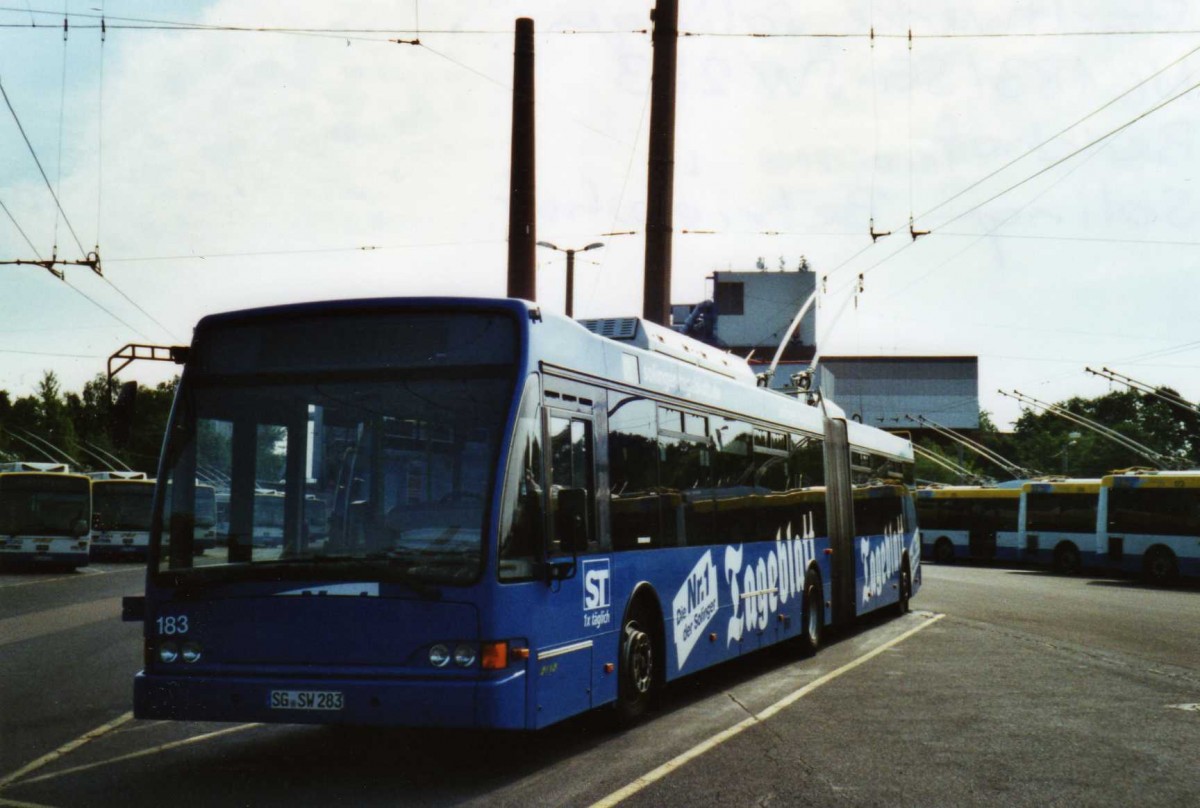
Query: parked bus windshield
[
  {"x": 44, "y": 504},
  {"x": 122, "y": 504}
]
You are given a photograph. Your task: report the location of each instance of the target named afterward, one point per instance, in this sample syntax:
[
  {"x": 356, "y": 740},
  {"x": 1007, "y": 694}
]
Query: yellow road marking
[
  {"x": 65, "y": 749},
  {"x": 699, "y": 749},
  {"x": 143, "y": 753}
]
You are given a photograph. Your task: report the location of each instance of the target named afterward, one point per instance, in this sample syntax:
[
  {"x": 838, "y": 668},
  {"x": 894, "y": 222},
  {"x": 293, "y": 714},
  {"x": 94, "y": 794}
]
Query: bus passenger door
[{"x": 576, "y": 603}]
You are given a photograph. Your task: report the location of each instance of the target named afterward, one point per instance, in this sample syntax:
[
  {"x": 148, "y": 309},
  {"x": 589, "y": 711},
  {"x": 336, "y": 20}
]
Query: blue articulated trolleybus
[{"x": 524, "y": 517}]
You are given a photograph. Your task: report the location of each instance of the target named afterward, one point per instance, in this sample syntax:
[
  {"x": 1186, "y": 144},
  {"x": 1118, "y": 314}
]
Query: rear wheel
[
  {"x": 1066, "y": 559},
  {"x": 635, "y": 678},
  {"x": 905, "y": 589},
  {"x": 1160, "y": 566},
  {"x": 943, "y": 551},
  {"x": 813, "y": 616}
]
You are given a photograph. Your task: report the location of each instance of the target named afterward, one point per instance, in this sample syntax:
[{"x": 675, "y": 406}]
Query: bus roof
[
  {"x": 1062, "y": 487},
  {"x": 1153, "y": 479},
  {"x": 117, "y": 475},
  {"x": 671, "y": 364},
  {"x": 120, "y": 482},
  {"x": 32, "y": 465},
  {"x": 968, "y": 492}
]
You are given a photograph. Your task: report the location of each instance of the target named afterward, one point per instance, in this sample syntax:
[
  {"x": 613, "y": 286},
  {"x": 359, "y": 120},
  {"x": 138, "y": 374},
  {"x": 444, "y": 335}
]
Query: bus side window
[
  {"x": 521, "y": 521},
  {"x": 633, "y": 474},
  {"x": 806, "y": 471}
]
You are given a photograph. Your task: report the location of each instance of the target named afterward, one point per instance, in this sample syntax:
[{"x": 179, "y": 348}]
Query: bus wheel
[
  {"x": 905, "y": 589},
  {"x": 943, "y": 551},
  {"x": 1160, "y": 566},
  {"x": 1066, "y": 559},
  {"x": 813, "y": 617},
  {"x": 635, "y": 681}
]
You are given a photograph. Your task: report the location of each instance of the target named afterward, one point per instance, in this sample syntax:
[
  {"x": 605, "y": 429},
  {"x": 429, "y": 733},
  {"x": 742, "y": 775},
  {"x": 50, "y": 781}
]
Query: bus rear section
[
  {"x": 45, "y": 519},
  {"x": 1059, "y": 527},
  {"x": 1149, "y": 524},
  {"x": 969, "y": 523},
  {"x": 121, "y": 511}
]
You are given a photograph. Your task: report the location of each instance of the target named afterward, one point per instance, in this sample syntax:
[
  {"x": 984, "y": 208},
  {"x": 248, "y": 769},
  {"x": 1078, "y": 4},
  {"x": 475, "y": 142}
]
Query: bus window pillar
[{"x": 241, "y": 491}]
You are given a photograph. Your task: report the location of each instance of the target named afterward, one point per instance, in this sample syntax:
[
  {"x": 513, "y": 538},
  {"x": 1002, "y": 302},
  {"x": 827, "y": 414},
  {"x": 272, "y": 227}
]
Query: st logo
[{"x": 597, "y": 584}]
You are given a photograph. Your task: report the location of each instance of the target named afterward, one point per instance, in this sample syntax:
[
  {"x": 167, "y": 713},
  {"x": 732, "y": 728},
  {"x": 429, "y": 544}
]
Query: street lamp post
[
  {"x": 570, "y": 269},
  {"x": 1071, "y": 440}
]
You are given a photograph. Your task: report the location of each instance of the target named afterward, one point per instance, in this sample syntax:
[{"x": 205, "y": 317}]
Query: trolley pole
[
  {"x": 656, "y": 298},
  {"x": 522, "y": 206}
]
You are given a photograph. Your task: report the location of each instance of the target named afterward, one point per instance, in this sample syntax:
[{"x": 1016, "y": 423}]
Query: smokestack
[
  {"x": 522, "y": 205},
  {"x": 656, "y": 299}
]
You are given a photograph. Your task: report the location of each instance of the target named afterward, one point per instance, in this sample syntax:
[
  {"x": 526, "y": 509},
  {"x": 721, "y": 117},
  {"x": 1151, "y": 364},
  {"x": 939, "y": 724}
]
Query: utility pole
[
  {"x": 522, "y": 205},
  {"x": 660, "y": 183},
  {"x": 571, "y": 269}
]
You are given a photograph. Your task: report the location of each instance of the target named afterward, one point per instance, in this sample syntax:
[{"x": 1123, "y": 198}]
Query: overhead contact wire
[{"x": 41, "y": 170}]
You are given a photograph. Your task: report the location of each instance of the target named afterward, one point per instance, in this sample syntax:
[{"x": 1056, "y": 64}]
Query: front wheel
[
  {"x": 1066, "y": 559},
  {"x": 943, "y": 551},
  {"x": 1160, "y": 566},
  {"x": 635, "y": 682}
]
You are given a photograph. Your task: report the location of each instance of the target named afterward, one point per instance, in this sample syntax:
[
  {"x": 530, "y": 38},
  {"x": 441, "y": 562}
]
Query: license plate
[
  {"x": 43, "y": 548},
  {"x": 128, "y": 542},
  {"x": 307, "y": 700}
]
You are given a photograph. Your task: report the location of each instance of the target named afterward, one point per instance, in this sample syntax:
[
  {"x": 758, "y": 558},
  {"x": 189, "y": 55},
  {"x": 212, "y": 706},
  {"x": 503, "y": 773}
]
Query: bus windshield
[
  {"x": 122, "y": 505},
  {"x": 372, "y": 472},
  {"x": 45, "y": 505}
]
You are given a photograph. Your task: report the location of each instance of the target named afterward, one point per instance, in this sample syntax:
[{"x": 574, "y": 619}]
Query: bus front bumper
[{"x": 484, "y": 703}]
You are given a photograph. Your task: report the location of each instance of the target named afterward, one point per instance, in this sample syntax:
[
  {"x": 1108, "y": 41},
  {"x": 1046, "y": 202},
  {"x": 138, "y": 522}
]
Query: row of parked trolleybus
[
  {"x": 1138, "y": 522},
  {"x": 1134, "y": 522},
  {"x": 52, "y": 517}
]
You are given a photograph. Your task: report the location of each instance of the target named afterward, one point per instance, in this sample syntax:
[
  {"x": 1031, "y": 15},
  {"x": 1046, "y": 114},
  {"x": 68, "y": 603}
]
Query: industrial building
[{"x": 749, "y": 314}]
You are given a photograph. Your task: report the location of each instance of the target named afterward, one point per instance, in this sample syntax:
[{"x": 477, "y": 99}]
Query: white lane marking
[
  {"x": 52, "y": 621},
  {"x": 143, "y": 753},
  {"x": 699, "y": 749},
  {"x": 65, "y": 749}
]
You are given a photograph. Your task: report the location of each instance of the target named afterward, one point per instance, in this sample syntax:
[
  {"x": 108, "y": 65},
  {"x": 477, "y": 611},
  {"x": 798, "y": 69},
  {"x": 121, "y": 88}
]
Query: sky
[{"x": 219, "y": 170}]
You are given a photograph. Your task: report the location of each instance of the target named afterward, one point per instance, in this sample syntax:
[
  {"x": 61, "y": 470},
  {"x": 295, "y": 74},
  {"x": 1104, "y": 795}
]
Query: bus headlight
[
  {"x": 464, "y": 656},
  {"x": 439, "y": 656},
  {"x": 168, "y": 652},
  {"x": 190, "y": 652}
]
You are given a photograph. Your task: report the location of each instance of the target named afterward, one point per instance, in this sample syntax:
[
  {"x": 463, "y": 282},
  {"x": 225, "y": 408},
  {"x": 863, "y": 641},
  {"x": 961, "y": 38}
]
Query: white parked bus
[
  {"x": 121, "y": 508},
  {"x": 45, "y": 516},
  {"x": 969, "y": 522},
  {"x": 268, "y": 518},
  {"x": 1149, "y": 523},
  {"x": 1058, "y": 524}
]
